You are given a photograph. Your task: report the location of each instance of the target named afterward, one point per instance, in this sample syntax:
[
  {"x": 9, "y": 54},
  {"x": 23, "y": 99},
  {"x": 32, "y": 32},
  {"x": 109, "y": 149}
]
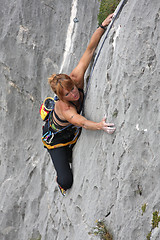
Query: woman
[{"x": 66, "y": 114}]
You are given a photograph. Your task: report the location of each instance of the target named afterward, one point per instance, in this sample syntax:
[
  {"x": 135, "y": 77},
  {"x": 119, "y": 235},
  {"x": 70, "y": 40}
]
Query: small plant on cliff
[
  {"x": 143, "y": 208},
  {"x": 106, "y": 7},
  {"x": 149, "y": 236},
  {"x": 101, "y": 231},
  {"x": 39, "y": 238},
  {"x": 155, "y": 222}
]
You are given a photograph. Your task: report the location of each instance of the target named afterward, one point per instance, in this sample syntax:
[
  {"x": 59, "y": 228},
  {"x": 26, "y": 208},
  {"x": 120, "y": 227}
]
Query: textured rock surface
[{"x": 112, "y": 174}]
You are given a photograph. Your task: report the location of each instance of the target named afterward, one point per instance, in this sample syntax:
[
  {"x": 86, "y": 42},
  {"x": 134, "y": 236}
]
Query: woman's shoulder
[
  {"x": 78, "y": 80},
  {"x": 63, "y": 106},
  {"x": 60, "y": 108}
]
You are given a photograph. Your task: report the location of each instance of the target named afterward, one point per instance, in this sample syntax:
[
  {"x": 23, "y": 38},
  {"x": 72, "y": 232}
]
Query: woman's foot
[{"x": 63, "y": 192}]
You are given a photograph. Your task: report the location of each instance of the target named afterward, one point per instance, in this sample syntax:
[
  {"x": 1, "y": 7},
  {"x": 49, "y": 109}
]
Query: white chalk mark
[
  {"x": 70, "y": 36},
  {"x": 22, "y": 37},
  {"x": 137, "y": 127},
  {"x": 116, "y": 35}
]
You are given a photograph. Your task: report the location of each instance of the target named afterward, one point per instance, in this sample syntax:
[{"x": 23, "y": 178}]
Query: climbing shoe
[{"x": 63, "y": 192}]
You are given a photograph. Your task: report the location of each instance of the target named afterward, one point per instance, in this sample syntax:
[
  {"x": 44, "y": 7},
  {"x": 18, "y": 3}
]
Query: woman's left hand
[{"x": 108, "y": 127}]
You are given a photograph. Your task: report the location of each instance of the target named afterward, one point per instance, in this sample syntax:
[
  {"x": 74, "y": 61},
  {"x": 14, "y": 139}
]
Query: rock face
[{"x": 114, "y": 175}]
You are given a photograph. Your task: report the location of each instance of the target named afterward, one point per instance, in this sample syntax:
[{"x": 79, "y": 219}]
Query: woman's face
[{"x": 72, "y": 95}]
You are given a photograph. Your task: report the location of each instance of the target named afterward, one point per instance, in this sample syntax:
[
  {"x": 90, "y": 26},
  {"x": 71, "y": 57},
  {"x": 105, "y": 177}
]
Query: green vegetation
[
  {"x": 144, "y": 208},
  {"x": 106, "y": 7},
  {"x": 39, "y": 238},
  {"x": 149, "y": 236},
  {"x": 155, "y": 222},
  {"x": 115, "y": 113},
  {"x": 101, "y": 231},
  {"x": 155, "y": 219}
]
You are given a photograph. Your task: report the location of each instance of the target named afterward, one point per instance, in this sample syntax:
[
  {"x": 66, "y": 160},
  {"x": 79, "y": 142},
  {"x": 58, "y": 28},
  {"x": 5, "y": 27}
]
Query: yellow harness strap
[{"x": 59, "y": 144}]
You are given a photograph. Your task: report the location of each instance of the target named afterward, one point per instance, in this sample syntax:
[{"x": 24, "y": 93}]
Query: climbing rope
[{"x": 118, "y": 9}]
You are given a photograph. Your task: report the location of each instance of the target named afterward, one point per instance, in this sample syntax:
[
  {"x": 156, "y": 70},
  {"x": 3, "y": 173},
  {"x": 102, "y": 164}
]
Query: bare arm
[
  {"x": 71, "y": 115},
  {"x": 78, "y": 72}
]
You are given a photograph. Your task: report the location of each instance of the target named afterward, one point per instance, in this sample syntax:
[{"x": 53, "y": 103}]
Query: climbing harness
[
  {"x": 117, "y": 11},
  {"x": 48, "y": 137},
  {"x": 72, "y": 132}
]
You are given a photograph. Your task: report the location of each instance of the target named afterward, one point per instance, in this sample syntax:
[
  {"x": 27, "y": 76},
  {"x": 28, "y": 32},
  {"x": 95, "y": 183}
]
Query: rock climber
[{"x": 66, "y": 116}]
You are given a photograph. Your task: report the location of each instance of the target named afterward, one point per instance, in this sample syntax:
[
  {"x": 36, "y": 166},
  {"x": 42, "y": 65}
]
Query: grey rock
[{"x": 113, "y": 174}]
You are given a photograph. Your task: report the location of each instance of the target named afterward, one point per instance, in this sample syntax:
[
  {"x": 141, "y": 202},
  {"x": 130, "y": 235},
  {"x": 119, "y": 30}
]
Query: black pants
[{"x": 60, "y": 158}]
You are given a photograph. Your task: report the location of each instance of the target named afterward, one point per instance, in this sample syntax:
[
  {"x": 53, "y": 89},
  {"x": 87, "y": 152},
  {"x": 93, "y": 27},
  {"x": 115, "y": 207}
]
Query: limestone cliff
[{"x": 114, "y": 175}]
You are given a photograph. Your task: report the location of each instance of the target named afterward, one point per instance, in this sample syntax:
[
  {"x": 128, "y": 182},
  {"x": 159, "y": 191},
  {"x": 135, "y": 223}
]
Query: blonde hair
[{"x": 58, "y": 82}]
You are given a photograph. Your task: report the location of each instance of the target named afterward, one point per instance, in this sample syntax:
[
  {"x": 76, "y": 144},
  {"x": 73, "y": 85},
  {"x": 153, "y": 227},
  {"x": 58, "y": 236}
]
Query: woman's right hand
[
  {"x": 107, "y": 20},
  {"x": 107, "y": 127}
]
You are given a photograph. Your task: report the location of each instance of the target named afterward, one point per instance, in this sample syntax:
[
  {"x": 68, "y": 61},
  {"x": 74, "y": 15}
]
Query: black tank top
[{"x": 54, "y": 117}]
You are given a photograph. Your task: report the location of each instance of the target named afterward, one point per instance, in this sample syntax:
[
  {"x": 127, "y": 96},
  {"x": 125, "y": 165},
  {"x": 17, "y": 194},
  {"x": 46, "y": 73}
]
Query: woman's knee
[{"x": 65, "y": 181}]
